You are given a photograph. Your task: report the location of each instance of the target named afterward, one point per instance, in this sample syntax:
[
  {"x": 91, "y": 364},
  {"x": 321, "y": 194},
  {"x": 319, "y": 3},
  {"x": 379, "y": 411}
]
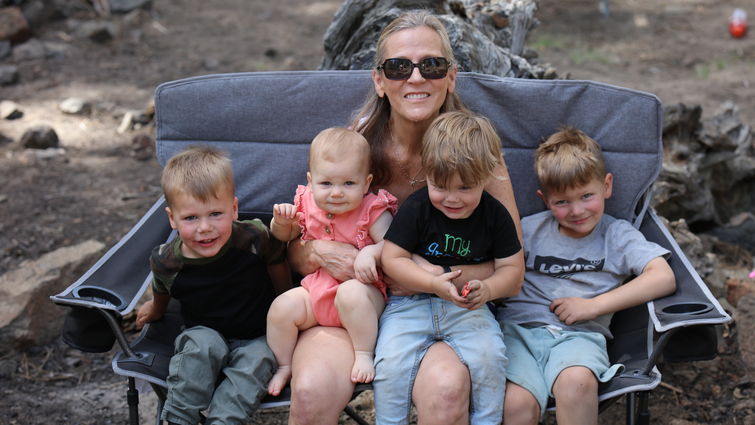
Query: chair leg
[
  {"x": 643, "y": 413},
  {"x": 631, "y": 408},
  {"x": 354, "y": 415},
  {"x": 132, "y": 397}
]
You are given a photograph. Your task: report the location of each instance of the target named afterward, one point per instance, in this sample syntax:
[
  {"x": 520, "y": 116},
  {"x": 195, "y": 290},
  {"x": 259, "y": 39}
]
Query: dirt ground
[{"x": 678, "y": 49}]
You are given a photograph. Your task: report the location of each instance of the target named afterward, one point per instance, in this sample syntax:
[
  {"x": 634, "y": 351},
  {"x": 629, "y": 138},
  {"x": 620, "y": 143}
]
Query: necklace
[{"x": 405, "y": 170}]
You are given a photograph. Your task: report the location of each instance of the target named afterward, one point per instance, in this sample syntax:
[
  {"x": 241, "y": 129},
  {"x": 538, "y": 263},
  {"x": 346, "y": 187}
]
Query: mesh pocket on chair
[{"x": 85, "y": 329}]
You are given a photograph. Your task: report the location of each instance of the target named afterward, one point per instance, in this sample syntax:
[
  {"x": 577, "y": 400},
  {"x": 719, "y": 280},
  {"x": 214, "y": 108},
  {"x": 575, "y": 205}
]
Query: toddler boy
[
  {"x": 225, "y": 274},
  {"x": 451, "y": 222}
]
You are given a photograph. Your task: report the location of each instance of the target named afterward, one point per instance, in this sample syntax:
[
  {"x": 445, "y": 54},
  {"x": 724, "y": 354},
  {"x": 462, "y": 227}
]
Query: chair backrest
[{"x": 266, "y": 120}]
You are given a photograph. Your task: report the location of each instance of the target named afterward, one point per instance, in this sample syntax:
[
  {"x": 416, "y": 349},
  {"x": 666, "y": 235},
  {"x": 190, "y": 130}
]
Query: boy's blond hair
[
  {"x": 463, "y": 143},
  {"x": 568, "y": 158},
  {"x": 201, "y": 172},
  {"x": 335, "y": 143}
]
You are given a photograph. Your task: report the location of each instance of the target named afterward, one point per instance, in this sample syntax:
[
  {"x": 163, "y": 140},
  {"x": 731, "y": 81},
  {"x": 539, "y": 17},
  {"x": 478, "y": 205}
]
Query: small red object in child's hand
[{"x": 465, "y": 290}]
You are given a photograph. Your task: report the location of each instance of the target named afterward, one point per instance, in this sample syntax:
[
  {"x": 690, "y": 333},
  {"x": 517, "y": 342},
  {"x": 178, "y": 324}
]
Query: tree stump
[{"x": 487, "y": 36}]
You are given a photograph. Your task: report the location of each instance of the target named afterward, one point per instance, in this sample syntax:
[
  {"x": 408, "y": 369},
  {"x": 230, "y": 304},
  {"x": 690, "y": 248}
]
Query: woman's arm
[
  {"x": 499, "y": 185},
  {"x": 336, "y": 258}
]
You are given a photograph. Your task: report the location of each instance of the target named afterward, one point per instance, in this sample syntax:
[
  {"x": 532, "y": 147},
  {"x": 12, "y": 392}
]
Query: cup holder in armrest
[
  {"x": 100, "y": 295},
  {"x": 687, "y": 308}
]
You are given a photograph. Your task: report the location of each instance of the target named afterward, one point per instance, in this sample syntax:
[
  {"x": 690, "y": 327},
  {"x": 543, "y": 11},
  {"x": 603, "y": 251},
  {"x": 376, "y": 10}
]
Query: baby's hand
[
  {"x": 444, "y": 288},
  {"x": 476, "y": 293},
  {"x": 284, "y": 213},
  {"x": 573, "y": 309},
  {"x": 365, "y": 267}
]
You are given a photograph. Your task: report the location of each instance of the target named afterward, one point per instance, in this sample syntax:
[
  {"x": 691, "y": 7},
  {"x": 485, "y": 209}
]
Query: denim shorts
[
  {"x": 537, "y": 356},
  {"x": 409, "y": 326}
]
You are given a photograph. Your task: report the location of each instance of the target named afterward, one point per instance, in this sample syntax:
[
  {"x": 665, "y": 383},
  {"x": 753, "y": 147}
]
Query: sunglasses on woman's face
[{"x": 401, "y": 69}]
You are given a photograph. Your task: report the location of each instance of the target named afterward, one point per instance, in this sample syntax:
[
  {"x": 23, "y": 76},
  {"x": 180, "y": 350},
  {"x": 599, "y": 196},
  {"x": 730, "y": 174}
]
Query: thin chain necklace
[{"x": 405, "y": 170}]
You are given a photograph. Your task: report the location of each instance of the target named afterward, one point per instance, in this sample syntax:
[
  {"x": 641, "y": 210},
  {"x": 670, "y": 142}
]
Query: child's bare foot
[
  {"x": 363, "y": 370},
  {"x": 279, "y": 380}
]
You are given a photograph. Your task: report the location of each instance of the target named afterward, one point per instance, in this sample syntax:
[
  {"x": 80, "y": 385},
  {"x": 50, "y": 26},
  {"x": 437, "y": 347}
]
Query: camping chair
[{"x": 265, "y": 122}]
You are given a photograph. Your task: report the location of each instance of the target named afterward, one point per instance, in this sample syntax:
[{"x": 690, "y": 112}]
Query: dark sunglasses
[{"x": 401, "y": 69}]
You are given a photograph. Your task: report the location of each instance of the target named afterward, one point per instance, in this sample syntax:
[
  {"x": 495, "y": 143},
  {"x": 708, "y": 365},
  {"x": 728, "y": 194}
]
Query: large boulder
[{"x": 27, "y": 316}]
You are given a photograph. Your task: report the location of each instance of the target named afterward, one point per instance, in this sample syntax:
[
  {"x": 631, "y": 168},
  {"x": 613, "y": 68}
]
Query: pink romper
[{"x": 352, "y": 227}]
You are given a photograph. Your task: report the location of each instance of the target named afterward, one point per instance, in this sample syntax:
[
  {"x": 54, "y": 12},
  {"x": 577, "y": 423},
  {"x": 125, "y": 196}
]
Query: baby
[{"x": 335, "y": 205}]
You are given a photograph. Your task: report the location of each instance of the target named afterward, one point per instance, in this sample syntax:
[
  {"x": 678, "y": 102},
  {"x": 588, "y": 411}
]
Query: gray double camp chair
[{"x": 266, "y": 120}]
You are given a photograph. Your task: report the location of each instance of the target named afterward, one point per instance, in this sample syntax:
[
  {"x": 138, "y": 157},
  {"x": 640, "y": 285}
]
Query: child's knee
[
  {"x": 575, "y": 383},
  {"x": 520, "y": 406},
  {"x": 286, "y": 307},
  {"x": 350, "y": 292}
]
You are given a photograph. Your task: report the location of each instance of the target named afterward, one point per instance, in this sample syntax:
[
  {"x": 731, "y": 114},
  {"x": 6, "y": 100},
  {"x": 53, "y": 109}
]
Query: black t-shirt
[
  {"x": 488, "y": 233},
  {"x": 230, "y": 292}
]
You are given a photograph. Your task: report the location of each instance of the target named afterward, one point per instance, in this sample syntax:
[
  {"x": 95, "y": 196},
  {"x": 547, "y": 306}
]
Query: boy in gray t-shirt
[{"x": 576, "y": 259}]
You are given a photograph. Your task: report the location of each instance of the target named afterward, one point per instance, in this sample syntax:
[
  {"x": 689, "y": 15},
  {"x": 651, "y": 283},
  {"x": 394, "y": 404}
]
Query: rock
[
  {"x": 10, "y": 110},
  {"x": 8, "y": 75},
  {"x": 40, "y": 137},
  {"x": 97, "y": 31},
  {"x": 708, "y": 173},
  {"x": 13, "y": 25},
  {"x": 127, "y": 122},
  {"x": 744, "y": 316},
  {"x": 125, "y": 6},
  {"x": 8, "y": 367},
  {"x": 45, "y": 154},
  {"x": 30, "y": 51},
  {"x": 75, "y": 106},
  {"x": 738, "y": 288},
  {"x": 738, "y": 231},
  {"x": 143, "y": 147},
  {"x": 27, "y": 317},
  {"x": 5, "y": 49},
  {"x": 56, "y": 50}
]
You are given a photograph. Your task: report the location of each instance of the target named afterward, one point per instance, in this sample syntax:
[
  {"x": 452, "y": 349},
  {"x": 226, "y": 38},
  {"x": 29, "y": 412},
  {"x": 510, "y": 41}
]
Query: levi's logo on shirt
[{"x": 563, "y": 268}]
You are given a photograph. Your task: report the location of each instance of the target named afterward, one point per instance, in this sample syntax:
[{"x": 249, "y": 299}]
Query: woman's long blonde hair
[{"x": 372, "y": 119}]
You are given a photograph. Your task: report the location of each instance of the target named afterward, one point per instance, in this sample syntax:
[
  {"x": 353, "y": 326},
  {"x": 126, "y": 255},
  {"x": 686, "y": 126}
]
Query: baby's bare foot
[
  {"x": 363, "y": 369},
  {"x": 279, "y": 380}
]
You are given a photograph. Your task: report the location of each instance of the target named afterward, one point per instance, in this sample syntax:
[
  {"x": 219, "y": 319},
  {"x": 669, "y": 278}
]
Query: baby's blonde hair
[
  {"x": 568, "y": 158},
  {"x": 335, "y": 143},
  {"x": 463, "y": 143},
  {"x": 201, "y": 172}
]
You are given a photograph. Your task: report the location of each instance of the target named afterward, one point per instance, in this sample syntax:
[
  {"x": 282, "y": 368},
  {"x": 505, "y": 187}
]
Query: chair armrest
[
  {"x": 118, "y": 279},
  {"x": 692, "y": 303}
]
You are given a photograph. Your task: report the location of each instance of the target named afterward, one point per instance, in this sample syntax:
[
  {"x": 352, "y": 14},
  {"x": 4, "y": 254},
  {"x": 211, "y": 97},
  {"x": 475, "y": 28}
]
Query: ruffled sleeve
[
  {"x": 300, "y": 202},
  {"x": 373, "y": 206}
]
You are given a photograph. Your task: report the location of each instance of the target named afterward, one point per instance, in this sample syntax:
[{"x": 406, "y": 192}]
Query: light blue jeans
[
  {"x": 202, "y": 356},
  {"x": 409, "y": 326}
]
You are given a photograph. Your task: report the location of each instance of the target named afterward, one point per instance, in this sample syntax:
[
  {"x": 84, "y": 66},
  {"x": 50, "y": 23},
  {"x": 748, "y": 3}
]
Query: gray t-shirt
[{"x": 558, "y": 266}]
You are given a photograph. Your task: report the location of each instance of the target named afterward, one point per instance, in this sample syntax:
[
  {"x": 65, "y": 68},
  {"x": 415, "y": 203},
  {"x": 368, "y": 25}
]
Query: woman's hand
[{"x": 335, "y": 257}]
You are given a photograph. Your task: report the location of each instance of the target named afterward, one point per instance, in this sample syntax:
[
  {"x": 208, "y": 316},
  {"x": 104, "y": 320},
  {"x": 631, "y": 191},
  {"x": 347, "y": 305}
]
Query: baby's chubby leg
[
  {"x": 290, "y": 313},
  {"x": 359, "y": 307}
]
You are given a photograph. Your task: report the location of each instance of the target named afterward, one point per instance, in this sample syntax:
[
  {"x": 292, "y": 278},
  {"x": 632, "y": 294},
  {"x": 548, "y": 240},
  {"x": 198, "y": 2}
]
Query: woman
[{"x": 408, "y": 96}]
